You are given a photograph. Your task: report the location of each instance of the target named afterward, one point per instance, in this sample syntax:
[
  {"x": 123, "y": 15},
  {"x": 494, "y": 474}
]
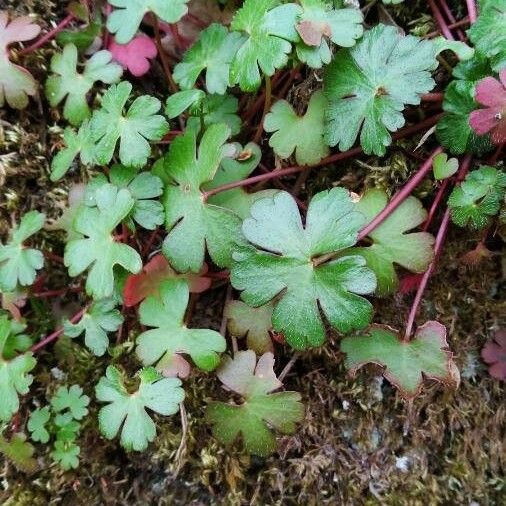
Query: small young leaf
[
  {"x": 19, "y": 451},
  {"x": 478, "y": 198},
  {"x": 66, "y": 455},
  {"x": 98, "y": 250},
  {"x": 406, "y": 363},
  {"x": 310, "y": 147},
  {"x": 193, "y": 223},
  {"x": 67, "y": 427},
  {"x": 125, "y": 21},
  {"x": 261, "y": 411},
  {"x": 80, "y": 143},
  {"x": 390, "y": 242},
  {"x": 127, "y": 411},
  {"x": 213, "y": 52},
  {"x": 171, "y": 336},
  {"x": 155, "y": 272},
  {"x": 488, "y": 34},
  {"x": 254, "y": 323},
  {"x": 133, "y": 129},
  {"x": 269, "y": 30},
  {"x": 282, "y": 263},
  {"x": 37, "y": 424},
  {"x": 317, "y": 22},
  {"x": 72, "y": 399},
  {"x": 101, "y": 318},
  {"x": 68, "y": 84},
  {"x": 494, "y": 354},
  {"x": 84, "y": 38},
  {"x": 14, "y": 377},
  {"x": 370, "y": 84},
  {"x": 134, "y": 55},
  {"x": 491, "y": 93},
  {"x": 16, "y": 83},
  {"x": 444, "y": 167},
  {"x": 19, "y": 264}
]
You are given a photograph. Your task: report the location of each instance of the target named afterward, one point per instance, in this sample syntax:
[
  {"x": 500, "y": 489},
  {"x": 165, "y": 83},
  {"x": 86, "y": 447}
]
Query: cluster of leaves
[{"x": 61, "y": 421}]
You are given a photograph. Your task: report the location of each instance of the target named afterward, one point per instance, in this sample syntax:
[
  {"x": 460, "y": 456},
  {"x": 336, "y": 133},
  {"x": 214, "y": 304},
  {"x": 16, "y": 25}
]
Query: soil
[{"x": 360, "y": 444}]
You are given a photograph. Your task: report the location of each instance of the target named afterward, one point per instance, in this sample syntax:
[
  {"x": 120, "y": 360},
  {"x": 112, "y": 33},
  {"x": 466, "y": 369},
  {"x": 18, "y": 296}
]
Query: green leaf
[
  {"x": 317, "y": 22},
  {"x": 19, "y": 451},
  {"x": 19, "y": 264},
  {"x": 370, "y": 85},
  {"x": 453, "y": 129},
  {"x": 444, "y": 167},
  {"x": 192, "y": 223},
  {"x": 66, "y": 455},
  {"x": 254, "y": 323},
  {"x": 269, "y": 32},
  {"x": 98, "y": 251},
  {"x": 72, "y": 399},
  {"x": 125, "y": 21},
  {"x": 282, "y": 263},
  {"x": 134, "y": 129},
  {"x": 171, "y": 336},
  {"x": 310, "y": 147},
  {"x": 17, "y": 342},
  {"x": 478, "y": 198},
  {"x": 102, "y": 317},
  {"x": 406, "y": 363},
  {"x": 213, "y": 52},
  {"x": 68, "y": 428},
  {"x": 80, "y": 143},
  {"x": 82, "y": 39},
  {"x": 127, "y": 411},
  {"x": 37, "y": 425},
  {"x": 182, "y": 100},
  {"x": 143, "y": 188},
  {"x": 390, "y": 242},
  {"x": 488, "y": 33},
  {"x": 261, "y": 412},
  {"x": 215, "y": 109},
  {"x": 461, "y": 49},
  {"x": 14, "y": 377},
  {"x": 67, "y": 82},
  {"x": 236, "y": 168}
]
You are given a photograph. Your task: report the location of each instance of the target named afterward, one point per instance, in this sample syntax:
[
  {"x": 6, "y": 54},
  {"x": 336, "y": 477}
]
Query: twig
[
  {"x": 48, "y": 36},
  {"x": 437, "y": 250},
  {"x": 267, "y": 106},
  {"x": 288, "y": 366},
  {"x": 57, "y": 333},
  {"x": 443, "y": 26},
  {"x": 471, "y": 9}
]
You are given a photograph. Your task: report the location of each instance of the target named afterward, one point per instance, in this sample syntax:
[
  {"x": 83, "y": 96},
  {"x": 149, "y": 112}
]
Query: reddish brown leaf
[
  {"x": 311, "y": 32},
  {"x": 494, "y": 354}
]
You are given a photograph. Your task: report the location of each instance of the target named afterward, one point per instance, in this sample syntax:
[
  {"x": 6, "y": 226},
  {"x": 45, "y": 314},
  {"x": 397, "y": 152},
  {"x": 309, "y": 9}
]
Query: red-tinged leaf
[
  {"x": 174, "y": 366},
  {"x": 476, "y": 256},
  {"x": 491, "y": 93},
  {"x": 312, "y": 32},
  {"x": 157, "y": 270},
  {"x": 18, "y": 30},
  {"x": 135, "y": 55},
  {"x": 494, "y": 354},
  {"x": 410, "y": 283},
  {"x": 13, "y": 302}
]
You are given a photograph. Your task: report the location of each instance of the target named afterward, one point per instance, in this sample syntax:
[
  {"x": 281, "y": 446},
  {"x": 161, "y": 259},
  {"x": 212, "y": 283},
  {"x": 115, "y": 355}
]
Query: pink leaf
[
  {"x": 491, "y": 93},
  {"x": 18, "y": 30},
  {"x": 135, "y": 55},
  {"x": 494, "y": 354}
]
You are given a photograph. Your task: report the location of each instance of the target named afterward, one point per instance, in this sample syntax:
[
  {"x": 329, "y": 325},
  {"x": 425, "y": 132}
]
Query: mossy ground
[{"x": 359, "y": 444}]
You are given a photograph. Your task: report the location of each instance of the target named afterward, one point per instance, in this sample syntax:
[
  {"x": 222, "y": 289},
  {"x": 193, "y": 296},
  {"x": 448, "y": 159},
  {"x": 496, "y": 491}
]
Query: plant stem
[
  {"x": 433, "y": 97},
  {"x": 267, "y": 106},
  {"x": 274, "y": 174},
  {"x": 163, "y": 57},
  {"x": 443, "y": 26},
  {"x": 462, "y": 22},
  {"x": 437, "y": 250},
  {"x": 400, "y": 196},
  {"x": 57, "y": 333},
  {"x": 471, "y": 9},
  {"x": 451, "y": 18},
  {"x": 435, "y": 204},
  {"x": 288, "y": 366},
  {"x": 48, "y": 36}
]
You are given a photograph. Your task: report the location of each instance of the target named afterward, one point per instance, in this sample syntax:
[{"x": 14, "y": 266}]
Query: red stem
[
  {"x": 451, "y": 18},
  {"x": 400, "y": 196},
  {"x": 441, "y": 235},
  {"x": 471, "y": 8},
  {"x": 443, "y": 26},
  {"x": 463, "y": 21},
  {"x": 435, "y": 204},
  {"x": 57, "y": 333},
  {"x": 48, "y": 36},
  {"x": 433, "y": 97},
  {"x": 274, "y": 174}
]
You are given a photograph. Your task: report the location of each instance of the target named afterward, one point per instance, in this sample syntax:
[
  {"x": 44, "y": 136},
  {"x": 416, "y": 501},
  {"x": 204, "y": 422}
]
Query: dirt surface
[{"x": 360, "y": 444}]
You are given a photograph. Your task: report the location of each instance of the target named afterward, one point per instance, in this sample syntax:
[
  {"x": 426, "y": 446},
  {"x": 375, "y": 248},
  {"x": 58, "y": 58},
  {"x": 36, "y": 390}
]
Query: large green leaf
[
  {"x": 283, "y": 263},
  {"x": 390, "y": 242},
  {"x": 406, "y": 363},
  {"x": 261, "y": 412},
  {"x": 171, "y": 338}
]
